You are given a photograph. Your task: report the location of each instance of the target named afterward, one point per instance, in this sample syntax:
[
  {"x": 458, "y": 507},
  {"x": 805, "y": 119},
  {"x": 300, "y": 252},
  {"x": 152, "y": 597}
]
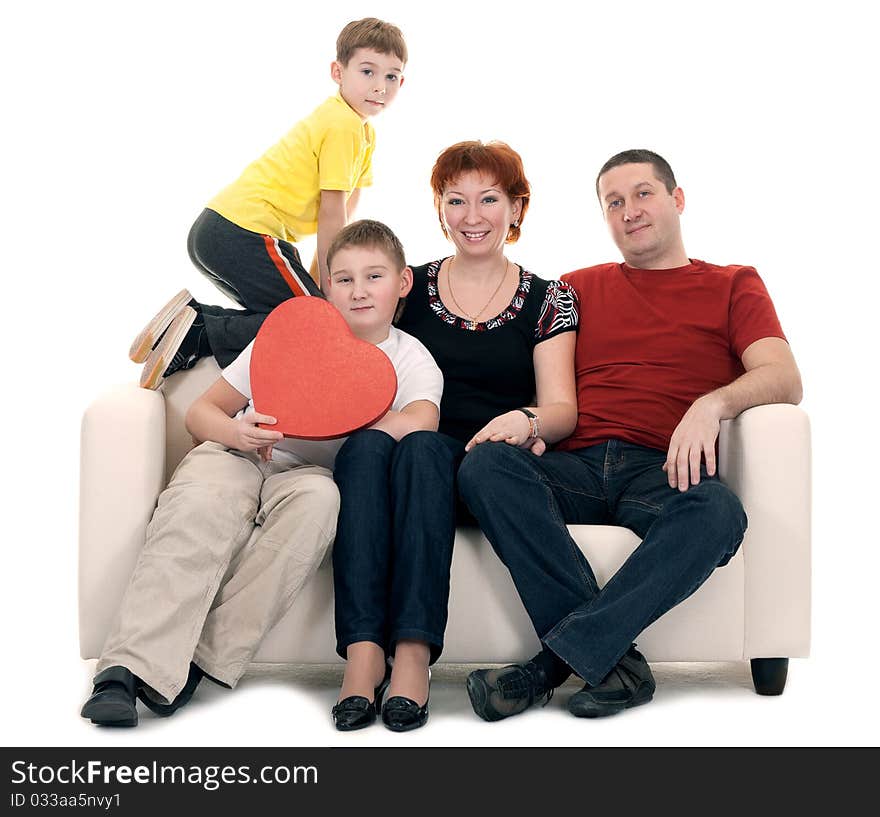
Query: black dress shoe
[
  {"x": 401, "y": 714},
  {"x": 164, "y": 710},
  {"x": 356, "y": 712},
  {"x": 112, "y": 702}
]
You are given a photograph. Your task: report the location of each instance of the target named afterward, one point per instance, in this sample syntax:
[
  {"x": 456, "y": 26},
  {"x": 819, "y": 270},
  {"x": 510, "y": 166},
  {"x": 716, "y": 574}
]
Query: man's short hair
[
  {"x": 368, "y": 233},
  {"x": 640, "y": 156},
  {"x": 370, "y": 33}
]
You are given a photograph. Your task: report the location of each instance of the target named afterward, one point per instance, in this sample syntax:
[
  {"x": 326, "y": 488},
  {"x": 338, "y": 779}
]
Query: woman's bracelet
[{"x": 534, "y": 426}]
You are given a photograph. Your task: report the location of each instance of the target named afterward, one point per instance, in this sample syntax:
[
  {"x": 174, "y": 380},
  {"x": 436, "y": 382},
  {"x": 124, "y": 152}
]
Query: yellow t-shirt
[{"x": 279, "y": 193}]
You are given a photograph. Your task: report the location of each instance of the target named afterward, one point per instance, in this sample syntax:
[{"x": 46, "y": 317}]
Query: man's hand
[
  {"x": 694, "y": 439},
  {"x": 247, "y": 436},
  {"x": 771, "y": 376}
]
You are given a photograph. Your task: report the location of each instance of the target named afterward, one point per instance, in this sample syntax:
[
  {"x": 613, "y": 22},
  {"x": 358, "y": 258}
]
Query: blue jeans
[
  {"x": 394, "y": 538},
  {"x": 523, "y": 503}
]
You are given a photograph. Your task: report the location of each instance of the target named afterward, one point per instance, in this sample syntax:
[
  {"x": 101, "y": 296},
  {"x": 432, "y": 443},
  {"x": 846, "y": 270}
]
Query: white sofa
[{"x": 756, "y": 607}]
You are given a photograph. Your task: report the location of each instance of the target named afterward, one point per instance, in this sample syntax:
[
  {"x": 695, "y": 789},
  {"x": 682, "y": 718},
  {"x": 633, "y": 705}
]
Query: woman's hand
[
  {"x": 512, "y": 428},
  {"x": 538, "y": 446}
]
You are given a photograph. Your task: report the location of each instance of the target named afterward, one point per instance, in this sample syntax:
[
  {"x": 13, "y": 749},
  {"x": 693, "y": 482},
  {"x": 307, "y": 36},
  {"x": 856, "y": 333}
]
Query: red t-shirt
[{"x": 650, "y": 342}]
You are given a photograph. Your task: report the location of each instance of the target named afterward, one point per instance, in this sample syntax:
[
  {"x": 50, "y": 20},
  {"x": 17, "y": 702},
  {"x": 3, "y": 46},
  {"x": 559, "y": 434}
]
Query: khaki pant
[{"x": 200, "y": 590}]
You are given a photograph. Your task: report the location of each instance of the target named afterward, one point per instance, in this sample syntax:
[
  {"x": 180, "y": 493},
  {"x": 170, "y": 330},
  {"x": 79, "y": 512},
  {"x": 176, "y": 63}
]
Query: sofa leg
[{"x": 769, "y": 674}]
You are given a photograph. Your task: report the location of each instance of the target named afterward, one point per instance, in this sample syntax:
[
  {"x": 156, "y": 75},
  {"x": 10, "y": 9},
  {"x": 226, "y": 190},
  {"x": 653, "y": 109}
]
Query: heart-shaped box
[{"x": 316, "y": 378}]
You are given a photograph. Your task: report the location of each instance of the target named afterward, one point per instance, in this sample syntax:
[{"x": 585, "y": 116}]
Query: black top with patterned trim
[{"x": 488, "y": 369}]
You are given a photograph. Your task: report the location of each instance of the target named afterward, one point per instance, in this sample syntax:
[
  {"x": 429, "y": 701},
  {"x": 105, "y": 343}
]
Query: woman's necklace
[{"x": 471, "y": 320}]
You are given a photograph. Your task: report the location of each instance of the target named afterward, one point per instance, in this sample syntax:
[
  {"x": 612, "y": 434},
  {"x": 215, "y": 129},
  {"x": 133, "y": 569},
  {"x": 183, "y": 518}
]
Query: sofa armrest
[
  {"x": 122, "y": 472},
  {"x": 765, "y": 458}
]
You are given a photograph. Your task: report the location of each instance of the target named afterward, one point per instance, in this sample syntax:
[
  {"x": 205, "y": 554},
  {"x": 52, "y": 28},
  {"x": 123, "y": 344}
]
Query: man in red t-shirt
[{"x": 667, "y": 347}]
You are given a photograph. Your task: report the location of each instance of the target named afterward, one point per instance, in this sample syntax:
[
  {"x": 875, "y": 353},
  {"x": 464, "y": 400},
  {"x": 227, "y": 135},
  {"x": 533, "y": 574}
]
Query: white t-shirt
[{"x": 418, "y": 378}]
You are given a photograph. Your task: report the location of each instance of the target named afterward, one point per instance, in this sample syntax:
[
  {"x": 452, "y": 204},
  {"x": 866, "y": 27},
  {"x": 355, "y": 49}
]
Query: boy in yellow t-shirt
[{"x": 307, "y": 183}]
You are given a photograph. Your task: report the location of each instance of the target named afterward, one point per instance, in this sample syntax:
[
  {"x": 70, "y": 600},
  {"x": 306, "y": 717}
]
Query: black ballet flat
[
  {"x": 356, "y": 712},
  {"x": 402, "y": 714}
]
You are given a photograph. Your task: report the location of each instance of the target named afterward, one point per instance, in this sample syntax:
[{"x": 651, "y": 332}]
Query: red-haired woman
[{"x": 504, "y": 340}]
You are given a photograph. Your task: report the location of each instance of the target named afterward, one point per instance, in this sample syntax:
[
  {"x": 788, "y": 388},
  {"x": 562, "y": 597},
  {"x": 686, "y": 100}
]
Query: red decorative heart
[{"x": 314, "y": 376}]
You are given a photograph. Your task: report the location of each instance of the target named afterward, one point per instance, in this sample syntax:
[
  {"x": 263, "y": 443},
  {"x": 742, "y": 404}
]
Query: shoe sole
[
  {"x": 340, "y": 727},
  {"x": 193, "y": 679},
  {"x": 145, "y": 341},
  {"x": 406, "y": 727},
  {"x": 476, "y": 690},
  {"x": 161, "y": 710},
  {"x": 109, "y": 715},
  {"x": 596, "y": 710},
  {"x": 160, "y": 358}
]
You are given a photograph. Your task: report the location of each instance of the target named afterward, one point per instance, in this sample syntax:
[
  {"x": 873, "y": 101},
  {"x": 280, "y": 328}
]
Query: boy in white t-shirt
[{"x": 202, "y": 596}]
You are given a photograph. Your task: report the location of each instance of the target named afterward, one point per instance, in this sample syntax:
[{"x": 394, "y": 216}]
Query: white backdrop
[{"x": 122, "y": 119}]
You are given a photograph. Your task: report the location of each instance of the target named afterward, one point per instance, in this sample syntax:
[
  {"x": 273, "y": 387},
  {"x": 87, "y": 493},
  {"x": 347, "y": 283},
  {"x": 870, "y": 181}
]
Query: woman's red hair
[{"x": 495, "y": 160}]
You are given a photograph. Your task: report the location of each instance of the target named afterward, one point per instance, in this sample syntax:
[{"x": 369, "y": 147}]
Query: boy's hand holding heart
[{"x": 314, "y": 376}]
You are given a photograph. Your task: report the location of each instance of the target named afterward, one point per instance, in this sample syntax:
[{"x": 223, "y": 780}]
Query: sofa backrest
[{"x": 180, "y": 390}]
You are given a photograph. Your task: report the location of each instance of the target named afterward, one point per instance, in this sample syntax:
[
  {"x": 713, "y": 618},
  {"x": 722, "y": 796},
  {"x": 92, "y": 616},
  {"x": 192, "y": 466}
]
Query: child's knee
[{"x": 369, "y": 442}]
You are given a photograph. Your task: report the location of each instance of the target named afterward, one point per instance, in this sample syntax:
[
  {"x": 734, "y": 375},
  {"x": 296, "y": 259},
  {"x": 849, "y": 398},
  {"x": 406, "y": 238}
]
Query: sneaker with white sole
[
  {"x": 178, "y": 349},
  {"x": 149, "y": 336}
]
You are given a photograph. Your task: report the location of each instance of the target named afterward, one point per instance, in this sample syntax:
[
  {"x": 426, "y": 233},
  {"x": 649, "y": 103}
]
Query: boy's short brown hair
[
  {"x": 370, "y": 33},
  {"x": 368, "y": 233}
]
